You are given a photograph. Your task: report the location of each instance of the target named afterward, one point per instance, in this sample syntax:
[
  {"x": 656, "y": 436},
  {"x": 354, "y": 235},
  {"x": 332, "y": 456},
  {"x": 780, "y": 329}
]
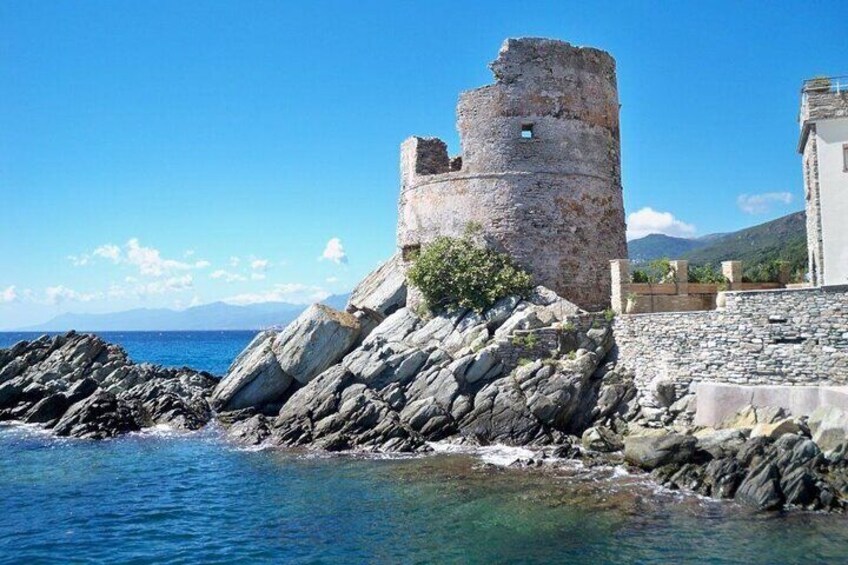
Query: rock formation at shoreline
[
  {"x": 535, "y": 372},
  {"x": 412, "y": 380},
  {"x": 79, "y": 386}
]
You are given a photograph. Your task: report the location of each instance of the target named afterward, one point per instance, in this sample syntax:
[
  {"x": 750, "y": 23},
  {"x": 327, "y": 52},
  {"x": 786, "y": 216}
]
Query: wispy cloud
[
  {"x": 334, "y": 251},
  {"x": 148, "y": 260},
  {"x": 108, "y": 251},
  {"x": 647, "y": 221},
  {"x": 762, "y": 203},
  {"x": 59, "y": 294},
  {"x": 226, "y": 276},
  {"x": 9, "y": 294},
  {"x": 294, "y": 293}
]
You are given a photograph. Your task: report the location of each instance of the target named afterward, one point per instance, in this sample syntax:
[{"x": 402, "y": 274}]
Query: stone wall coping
[{"x": 815, "y": 289}]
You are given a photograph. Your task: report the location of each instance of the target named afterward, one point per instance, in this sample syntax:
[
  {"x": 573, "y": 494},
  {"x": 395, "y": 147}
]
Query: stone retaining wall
[{"x": 773, "y": 337}]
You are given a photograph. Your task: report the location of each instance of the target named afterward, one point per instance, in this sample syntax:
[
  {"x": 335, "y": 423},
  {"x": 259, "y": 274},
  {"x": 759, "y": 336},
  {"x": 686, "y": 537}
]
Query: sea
[{"x": 161, "y": 496}]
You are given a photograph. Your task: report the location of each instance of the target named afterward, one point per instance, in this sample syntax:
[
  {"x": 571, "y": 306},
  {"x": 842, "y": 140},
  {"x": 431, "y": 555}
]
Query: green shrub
[
  {"x": 657, "y": 271},
  {"x": 765, "y": 272},
  {"x": 456, "y": 272},
  {"x": 528, "y": 341},
  {"x": 706, "y": 274}
]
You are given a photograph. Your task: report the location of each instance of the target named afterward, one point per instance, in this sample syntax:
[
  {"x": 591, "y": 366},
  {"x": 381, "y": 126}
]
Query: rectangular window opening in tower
[
  {"x": 845, "y": 158},
  {"x": 527, "y": 131}
]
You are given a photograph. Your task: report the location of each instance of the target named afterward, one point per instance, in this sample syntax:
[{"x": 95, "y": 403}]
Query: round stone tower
[{"x": 540, "y": 169}]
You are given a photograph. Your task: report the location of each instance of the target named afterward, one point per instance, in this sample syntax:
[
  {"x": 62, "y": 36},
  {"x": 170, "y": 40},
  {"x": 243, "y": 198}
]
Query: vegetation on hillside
[{"x": 758, "y": 247}]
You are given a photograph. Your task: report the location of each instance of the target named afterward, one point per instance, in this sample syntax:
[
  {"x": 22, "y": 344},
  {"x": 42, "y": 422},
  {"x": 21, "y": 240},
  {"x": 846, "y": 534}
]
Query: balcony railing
[{"x": 826, "y": 84}]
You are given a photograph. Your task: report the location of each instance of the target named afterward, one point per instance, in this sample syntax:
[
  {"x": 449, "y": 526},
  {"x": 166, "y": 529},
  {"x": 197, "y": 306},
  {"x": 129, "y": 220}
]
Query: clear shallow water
[{"x": 160, "y": 497}]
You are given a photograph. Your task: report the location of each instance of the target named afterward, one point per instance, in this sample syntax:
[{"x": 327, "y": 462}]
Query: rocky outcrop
[
  {"x": 459, "y": 375},
  {"x": 767, "y": 471},
  {"x": 255, "y": 378},
  {"x": 829, "y": 427},
  {"x": 80, "y": 386},
  {"x": 273, "y": 363},
  {"x": 382, "y": 292},
  {"x": 317, "y": 339}
]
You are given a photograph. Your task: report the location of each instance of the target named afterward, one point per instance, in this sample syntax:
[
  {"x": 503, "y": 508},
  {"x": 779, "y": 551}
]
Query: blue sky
[{"x": 174, "y": 153}]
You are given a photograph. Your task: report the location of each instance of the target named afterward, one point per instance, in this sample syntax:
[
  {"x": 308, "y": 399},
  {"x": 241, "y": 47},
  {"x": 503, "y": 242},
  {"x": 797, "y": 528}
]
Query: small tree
[
  {"x": 657, "y": 271},
  {"x": 457, "y": 272},
  {"x": 706, "y": 274}
]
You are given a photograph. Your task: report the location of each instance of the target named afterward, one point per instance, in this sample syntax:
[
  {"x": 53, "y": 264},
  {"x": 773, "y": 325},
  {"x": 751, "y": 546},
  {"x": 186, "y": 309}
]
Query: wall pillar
[
  {"x": 784, "y": 273},
  {"x": 681, "y": 275},
  {"x": 732, "y": 271},
  {"x": 619, "y": 276}
]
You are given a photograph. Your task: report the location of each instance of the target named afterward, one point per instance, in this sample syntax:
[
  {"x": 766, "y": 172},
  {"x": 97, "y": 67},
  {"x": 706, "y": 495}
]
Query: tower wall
[{"x": 553, "y": 201}]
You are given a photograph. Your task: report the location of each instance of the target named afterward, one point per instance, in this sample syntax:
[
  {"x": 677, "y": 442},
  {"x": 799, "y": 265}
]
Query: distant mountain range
[
  {"x": 214, "y": 316},
  {"x": 782, "y": 239}
]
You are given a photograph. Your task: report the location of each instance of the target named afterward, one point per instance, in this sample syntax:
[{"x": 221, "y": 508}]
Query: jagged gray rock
[
  {"x": 650, "y": 452},
  {"x": 81, "y": 386},
  {"x": 315, "y": 341},
  {"x": 382, "y": 292},
  {"x": 413, "y": 380},
  {"x": 255, "y": 378},
  {"x": 829, "y": 427}
]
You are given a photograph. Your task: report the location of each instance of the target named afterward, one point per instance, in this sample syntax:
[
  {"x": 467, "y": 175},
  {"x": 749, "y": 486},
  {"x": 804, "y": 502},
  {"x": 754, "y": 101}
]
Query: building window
[
  {"x": 410, "y": 252},
  {"x": 527, "y": 131},
  {"x": 845, "y": 158}
]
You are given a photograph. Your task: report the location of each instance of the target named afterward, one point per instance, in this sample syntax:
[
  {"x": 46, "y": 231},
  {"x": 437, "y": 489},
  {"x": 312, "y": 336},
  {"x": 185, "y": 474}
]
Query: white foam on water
[{"x": 497, "y": 454}]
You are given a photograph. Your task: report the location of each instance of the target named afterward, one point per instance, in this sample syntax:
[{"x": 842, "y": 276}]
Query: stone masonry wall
[
  {"x": 776, "y": 337},
  {"x": 539, "y": 171}
]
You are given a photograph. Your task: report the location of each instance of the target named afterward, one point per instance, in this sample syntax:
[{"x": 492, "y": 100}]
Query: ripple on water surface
[{"x": 155, "y": 497}]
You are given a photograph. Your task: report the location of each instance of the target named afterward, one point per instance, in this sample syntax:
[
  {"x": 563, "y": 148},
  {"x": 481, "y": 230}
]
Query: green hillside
[{"x": 783, "y": 239}]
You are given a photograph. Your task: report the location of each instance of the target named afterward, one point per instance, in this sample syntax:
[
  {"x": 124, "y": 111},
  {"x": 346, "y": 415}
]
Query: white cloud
[
  {"x": 164, "y": 286},
  {"x": 188, "y": 253},
  {"x": 647, "y": 221},
  {"x": 259, "y": 264},
  {"x": 8, "y": 295},
  {"x": 294, "y": 293},
  {"x": 108, "y": 251},
  {"x": 226, "y": 276},
  {"x": 79, "y": 260},
  {"x": 234, "y": 262},
  {"x": 257, "y": 276},
  {"x": 762, "y": 203},
  {"x": 334, "y": 251},
  {"x": 332, "y": 280},
  {"x": 60, "y": 293},
  {"x": 150, "y": 262}
]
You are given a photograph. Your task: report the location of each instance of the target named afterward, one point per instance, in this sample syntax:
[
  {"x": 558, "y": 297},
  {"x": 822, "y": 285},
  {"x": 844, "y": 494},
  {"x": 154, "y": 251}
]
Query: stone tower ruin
[{"x": 540, "y": 169}]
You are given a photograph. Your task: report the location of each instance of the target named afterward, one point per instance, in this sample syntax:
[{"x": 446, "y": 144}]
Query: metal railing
[{"x": 835, "y": 84}]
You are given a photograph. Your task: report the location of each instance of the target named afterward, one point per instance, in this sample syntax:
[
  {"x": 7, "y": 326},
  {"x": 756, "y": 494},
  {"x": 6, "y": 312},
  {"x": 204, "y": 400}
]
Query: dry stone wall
[
  {"x": 539, "y": 170},
  {"x": 776, "y": 337}
]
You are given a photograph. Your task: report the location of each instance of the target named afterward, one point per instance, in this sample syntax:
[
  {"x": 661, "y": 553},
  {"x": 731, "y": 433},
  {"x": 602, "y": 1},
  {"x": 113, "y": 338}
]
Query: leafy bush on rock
[{"x": 456, "y": 272}]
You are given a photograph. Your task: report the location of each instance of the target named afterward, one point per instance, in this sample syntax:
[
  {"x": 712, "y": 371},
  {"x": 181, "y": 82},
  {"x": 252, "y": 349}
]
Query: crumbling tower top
[{"x": 539, "y": 169}]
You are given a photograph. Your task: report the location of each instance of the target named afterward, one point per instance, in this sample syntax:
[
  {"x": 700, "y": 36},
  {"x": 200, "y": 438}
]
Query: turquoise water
[{"x": 160, "y": 497}]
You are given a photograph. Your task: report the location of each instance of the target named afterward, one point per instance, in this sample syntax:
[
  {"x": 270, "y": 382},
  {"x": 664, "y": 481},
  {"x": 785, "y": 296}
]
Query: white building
[{"x": 824, "y": 146}]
